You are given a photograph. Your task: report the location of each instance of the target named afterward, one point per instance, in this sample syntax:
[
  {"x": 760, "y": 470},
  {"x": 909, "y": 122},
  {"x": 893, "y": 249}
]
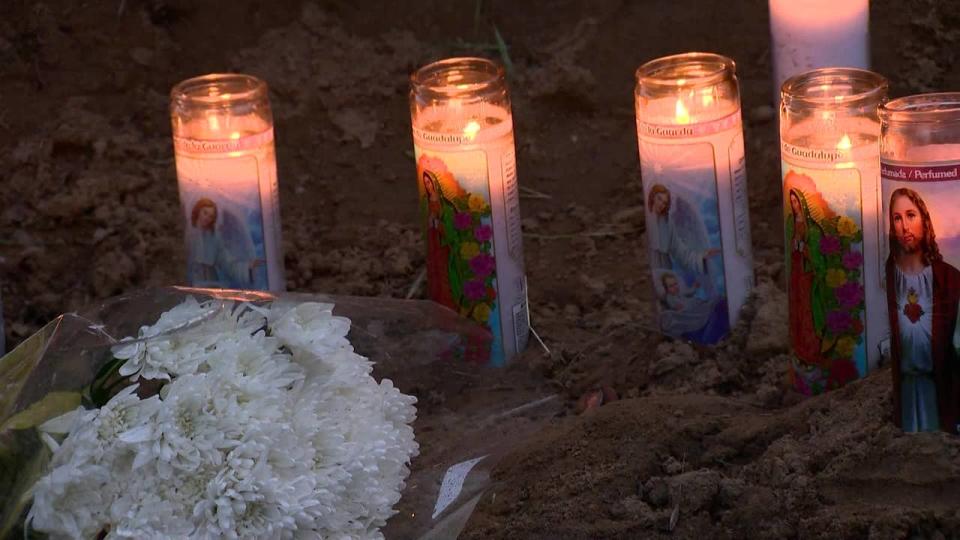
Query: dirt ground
[{"x": 708, "y": 436}]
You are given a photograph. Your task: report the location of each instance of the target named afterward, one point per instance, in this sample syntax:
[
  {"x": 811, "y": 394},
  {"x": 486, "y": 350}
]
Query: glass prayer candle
[
  {"x": 809, "y": 34},
  {"x": 469, "y": 199},
  {"x": 227, "y": 174},
  {"x": 695, "y": 192},
  {"x": 830, "y": 157},
  {"x": 920, "y": 177}
]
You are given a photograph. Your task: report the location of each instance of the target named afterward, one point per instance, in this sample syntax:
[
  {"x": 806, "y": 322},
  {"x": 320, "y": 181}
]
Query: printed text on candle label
[
  {"x": 741, "y": 203},
  {"x": 673, "y": 131},
  {"x": 941, "y": 173},
  {"x": 812, "y": 154}
]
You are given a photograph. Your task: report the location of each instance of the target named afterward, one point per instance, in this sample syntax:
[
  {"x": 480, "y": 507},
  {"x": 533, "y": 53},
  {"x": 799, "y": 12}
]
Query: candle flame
[
  {"x": 844, "y": 143},
  {"x": 682, "y": 115},
  {"x": 213, "y": 122},
  {"x": 471, "y": 129},
  {"x": 707, "y": 96},
  {"x": 235, "y": 135}
]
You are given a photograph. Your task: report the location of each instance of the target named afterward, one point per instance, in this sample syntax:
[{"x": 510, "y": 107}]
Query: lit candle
[
  {"x": 227, "y": 173},
  {"x": 808, "y": 34},
  {"x": 469, "y": 199},
  {"x": 830, "y": 152},
  {"x": 695, "y": 191},
  {"x": 920, "y": 164}
]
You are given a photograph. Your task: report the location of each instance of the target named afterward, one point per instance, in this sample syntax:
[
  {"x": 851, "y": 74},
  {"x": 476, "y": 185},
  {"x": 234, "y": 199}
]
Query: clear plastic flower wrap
[{"x": 468, "y": 415}]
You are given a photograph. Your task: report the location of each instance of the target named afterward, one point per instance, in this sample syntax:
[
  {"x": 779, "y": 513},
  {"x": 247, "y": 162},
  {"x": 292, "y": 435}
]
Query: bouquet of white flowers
[
  {"x": 227, "y": 419},
  {"x": 236, "y": 414}
]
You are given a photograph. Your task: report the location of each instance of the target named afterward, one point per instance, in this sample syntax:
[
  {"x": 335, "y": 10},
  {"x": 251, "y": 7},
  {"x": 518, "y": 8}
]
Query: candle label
[
  {"x": 922, "y": 250},
  {"x": 686, "y": 249},
  {"x": 741, "y": 201},
  {"x": 823, "y": 226},
  {"x": 228, "y": 196},
  {"x": 474, "y": 240},
  {"x": 698, "y": 225}
]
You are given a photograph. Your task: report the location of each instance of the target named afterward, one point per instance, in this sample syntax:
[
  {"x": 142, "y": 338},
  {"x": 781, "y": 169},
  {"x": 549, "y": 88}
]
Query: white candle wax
[
  {"x": 831, "y": 183},
  {"x": 698, "y": 227},
  {"x": 467, "y": 178},
  {"x": 227, "y": 177},
  {"x": 809, "y": 34}
]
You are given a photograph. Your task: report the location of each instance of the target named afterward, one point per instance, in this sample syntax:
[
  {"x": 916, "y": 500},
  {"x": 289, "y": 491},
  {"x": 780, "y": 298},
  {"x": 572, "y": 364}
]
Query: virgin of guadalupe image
[
  {"x": 923, "y": 293},
  {"x": 221, "y": 250},
  {"x": 444, "y": 283},
  {"x": 806, "y": 281},
  {"x": 680, "y": 253}
]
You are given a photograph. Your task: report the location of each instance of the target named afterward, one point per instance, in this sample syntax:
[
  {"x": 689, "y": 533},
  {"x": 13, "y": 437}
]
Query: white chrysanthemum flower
[
  {"x": 262, "y": 431},
  {"x": 310, "y": 327},
  {"x": 179, "y": 342},
  {"x": 189, "y": 430},
  {"x": 148, "y": 509},
  {"x": 70, "y": 501}
]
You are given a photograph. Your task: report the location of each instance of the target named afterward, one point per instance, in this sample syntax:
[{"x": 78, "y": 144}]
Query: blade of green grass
[{"x": 504, "y": 52}]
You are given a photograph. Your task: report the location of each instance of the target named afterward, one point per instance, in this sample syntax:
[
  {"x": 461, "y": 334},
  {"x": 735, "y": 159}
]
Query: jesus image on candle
[
  {"x": 221, "y": 248},
  {"x": 923, "y": 293},
  {"x": 691, "y": 306}
]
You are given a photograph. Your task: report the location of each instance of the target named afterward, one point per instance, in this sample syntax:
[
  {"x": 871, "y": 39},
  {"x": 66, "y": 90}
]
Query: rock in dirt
[
  {"x": 657, "y": 492},
  {"x": 696, "y": 490},
  {"x": 672, "y": 356},
  {"x": 769, "y": 333}
]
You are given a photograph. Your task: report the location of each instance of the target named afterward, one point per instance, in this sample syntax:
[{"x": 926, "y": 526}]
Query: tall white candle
[
  {"x": 694, "y": 178},
  {"x": 227, "y": 173},
  {"x": 809, "y": 34},
  {"x": 467, "y": 180},
  {"x": 830, "y": 150}
]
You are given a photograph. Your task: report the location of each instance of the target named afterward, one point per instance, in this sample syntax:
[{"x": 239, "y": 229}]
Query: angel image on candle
[
  {"x": 692, "y": 302},
  {"x": 222, "y": 252}
]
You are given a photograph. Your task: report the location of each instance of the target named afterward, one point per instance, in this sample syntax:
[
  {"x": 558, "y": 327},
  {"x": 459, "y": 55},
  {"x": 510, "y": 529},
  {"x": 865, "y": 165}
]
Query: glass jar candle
[
  {"x": 920, "y": 176},
  {"x": 690, "y": 138},
  {"x": 470, "y": 201},
  {"x": 227, "y": 175},
  {"x": 830, "y": 157}
]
